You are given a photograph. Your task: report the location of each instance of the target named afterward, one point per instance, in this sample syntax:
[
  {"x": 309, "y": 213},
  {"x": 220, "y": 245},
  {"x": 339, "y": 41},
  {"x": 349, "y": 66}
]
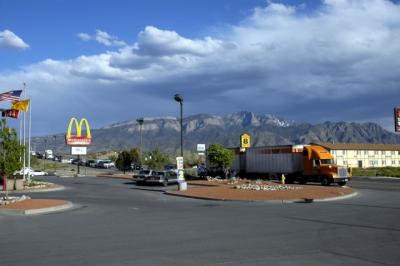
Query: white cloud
[
  {"x": 108, "y": 40},
  {"x": 163, "y": 42},
  {"x": 9, "y": 40},
  {"x": 103, "y": 38},
  {"x": 337, "y": 63},
  {"x": 84, "y": 36}
]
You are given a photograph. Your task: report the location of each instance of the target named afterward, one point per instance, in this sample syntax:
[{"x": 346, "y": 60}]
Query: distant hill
[{"x": 164, "y": 133}]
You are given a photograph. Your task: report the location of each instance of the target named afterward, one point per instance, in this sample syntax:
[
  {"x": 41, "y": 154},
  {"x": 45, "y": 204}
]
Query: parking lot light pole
[
  {"x": 179, "y": 99},
  {"x": 182, "y": 185},
  {"x": 140, "y": 122}
]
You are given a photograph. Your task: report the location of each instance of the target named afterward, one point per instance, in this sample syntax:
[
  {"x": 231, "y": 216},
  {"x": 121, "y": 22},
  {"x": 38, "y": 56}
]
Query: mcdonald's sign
[{"x": 78, "y": 139}]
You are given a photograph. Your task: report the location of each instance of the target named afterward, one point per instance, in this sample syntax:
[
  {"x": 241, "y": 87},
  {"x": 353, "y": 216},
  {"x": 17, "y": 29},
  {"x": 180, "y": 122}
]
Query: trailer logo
[
  {"x": 78, "y": 139},
  {"x": 244, "y": 141}
]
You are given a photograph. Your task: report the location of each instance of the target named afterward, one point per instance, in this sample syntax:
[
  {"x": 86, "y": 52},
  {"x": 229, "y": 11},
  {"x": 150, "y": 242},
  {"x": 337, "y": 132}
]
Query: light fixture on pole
[
  {"x": 179, "y": 98},
  {"x": 140, "y": 121}
]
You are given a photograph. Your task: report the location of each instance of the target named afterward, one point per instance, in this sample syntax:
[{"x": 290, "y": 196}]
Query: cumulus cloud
[
  {"x": 154, "y": 41},
  {"x": 103, "y": 38},
  {"x": 338, "y": 62},
  {"x": 9, "y": 40}
]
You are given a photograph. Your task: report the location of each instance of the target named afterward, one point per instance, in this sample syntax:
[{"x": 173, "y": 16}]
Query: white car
[{"x": 30, "y": 172}]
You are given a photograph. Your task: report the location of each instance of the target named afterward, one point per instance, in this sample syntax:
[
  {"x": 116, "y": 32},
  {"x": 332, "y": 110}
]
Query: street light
[
  {"x": 179, "y": 98},
  {"x": 140, "y": 122}
]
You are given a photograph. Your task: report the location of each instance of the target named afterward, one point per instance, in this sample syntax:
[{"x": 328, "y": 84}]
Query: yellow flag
[{"x": 21, "y": 105}]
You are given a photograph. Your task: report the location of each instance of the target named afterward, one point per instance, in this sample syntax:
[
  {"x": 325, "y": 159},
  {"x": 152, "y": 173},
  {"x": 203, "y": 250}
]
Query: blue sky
[{"x": 111, "y": 61}]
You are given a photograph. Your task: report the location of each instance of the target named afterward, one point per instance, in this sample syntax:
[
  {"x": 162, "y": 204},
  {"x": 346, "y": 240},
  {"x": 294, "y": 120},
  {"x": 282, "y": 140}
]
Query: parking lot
[{"x": 115, "y": 222}]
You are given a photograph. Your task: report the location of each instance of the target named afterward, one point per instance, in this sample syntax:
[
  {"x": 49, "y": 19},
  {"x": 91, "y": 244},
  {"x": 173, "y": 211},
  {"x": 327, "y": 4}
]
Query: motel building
[{"x": 364, "y": 155}]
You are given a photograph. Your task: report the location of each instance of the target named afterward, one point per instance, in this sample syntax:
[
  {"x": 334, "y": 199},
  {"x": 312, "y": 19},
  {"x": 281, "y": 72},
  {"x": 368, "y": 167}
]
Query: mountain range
[{"x": 265, "y": 130}]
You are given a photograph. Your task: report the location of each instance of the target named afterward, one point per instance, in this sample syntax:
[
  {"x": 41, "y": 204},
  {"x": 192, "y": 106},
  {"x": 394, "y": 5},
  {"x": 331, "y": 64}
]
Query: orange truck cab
[{"x": 319, "y": 165}]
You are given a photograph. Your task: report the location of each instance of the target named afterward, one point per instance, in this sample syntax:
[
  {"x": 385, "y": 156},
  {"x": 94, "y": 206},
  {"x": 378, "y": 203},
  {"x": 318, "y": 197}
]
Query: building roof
[{"x": 360, "y": 146}]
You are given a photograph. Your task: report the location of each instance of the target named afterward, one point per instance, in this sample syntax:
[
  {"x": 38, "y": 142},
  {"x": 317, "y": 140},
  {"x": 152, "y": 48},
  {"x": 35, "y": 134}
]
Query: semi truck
[{"x": 301, "y": 163}]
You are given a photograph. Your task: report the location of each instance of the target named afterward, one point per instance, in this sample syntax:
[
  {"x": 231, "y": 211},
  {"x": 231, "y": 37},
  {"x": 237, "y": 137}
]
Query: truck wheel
[
  {"x": 325, "y": 181},
  {"x": 342, "y": 183}
]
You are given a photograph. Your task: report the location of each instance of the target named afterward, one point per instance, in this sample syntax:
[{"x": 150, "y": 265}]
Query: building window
[
  {"x": 333, "y": 152},
  {"x": 373, "y": 163},
  {"x": 383, "y": 162},
  {"x": 393, "y": 162},
  {"x": 344, "y": 162},
  {"x": 358, "y": 152},
  {"x": 376, "y": 152},
  {"x": 344, "y": 152},
  {"x": 392, "y": 152},
  {"x": 365, "y": 152}
]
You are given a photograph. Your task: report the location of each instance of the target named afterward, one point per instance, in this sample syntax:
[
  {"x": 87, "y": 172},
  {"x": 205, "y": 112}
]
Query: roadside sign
[
  {"x": 179, "y": 163},
  {"x": 245, "y": 140},
  {"x": 179, "y": 167},
  {"x": 201, "y": 147},
  {"x": 78, "y": 150},
  {"x": 201, "y": 153},
  {"x": 397, "y": 119}
]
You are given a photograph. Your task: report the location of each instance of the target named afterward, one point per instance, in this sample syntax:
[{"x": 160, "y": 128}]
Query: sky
[{"x": 111, "y": 61}]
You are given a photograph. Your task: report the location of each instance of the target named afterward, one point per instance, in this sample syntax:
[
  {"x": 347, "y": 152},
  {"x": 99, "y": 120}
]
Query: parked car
[
  {"x": 30, "y": 172},
  {"x": 161, "y": 177},
  {"x": 90, "y": 163},
  {"x": 106, "y": 164},
  {"x": 136, "y": 167},
  {"x": 143, "y": 175}
]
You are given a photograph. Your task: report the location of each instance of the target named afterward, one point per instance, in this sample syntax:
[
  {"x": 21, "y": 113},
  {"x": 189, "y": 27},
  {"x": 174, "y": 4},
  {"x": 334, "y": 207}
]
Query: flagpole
[
  {"x": 24, "y": 134},
  {"x": 29, "y": 135}
]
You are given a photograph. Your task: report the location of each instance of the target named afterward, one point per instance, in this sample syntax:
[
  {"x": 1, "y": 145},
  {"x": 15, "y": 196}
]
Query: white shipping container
[{"x": 276, "y": 159}]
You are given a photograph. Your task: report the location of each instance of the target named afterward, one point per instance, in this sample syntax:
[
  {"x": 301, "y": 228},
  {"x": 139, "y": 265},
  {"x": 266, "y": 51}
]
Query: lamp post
[
  {"x": 179, "y": 98},
  {"x": 140, "y": 122},
  {"x": 182, "y": 185},
  {"x": 44, "y": 155}
]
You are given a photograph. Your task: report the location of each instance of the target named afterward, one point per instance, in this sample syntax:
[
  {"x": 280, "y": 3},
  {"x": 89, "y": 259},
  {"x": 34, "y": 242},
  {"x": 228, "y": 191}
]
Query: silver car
[{"x": 161, "y": 177}]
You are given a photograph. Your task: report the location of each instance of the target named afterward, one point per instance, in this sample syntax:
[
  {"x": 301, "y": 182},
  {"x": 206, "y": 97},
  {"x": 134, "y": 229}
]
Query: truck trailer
[{"x": 301, "y": 163}]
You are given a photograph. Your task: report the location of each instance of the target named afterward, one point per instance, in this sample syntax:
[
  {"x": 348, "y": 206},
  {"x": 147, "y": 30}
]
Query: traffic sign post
[{"x": 181, "y": 174}]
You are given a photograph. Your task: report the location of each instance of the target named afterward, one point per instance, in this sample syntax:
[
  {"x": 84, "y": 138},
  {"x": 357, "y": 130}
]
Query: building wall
[{"x": 368, "y": 158}]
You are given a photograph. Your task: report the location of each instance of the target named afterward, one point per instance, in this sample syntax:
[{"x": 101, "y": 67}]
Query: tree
[
  {"x": 156, "y": 159},
  {"x": 220, "y": 157},
  {"x": 10, "y": 150},
  {"x": 135, "y": 156},
  {"x": 124, "y": 161}
]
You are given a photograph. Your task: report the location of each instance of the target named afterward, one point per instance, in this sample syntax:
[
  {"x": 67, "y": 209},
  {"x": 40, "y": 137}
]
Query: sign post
[{"x": 181, "y": 174}]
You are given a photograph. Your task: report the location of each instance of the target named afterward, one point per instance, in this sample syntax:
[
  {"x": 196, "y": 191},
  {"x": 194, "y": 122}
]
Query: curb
[
  {"x": 63, "y": 207},
  {"x": 35, "y": 190},
  {"x": 302, "y": 200}
]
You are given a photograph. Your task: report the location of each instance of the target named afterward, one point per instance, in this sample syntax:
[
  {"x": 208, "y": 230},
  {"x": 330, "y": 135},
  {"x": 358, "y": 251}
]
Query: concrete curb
[
  {"x": 63, "y": 207},
  {"x": 35, "y": 190},
  {"x": 304, "y": 200}
]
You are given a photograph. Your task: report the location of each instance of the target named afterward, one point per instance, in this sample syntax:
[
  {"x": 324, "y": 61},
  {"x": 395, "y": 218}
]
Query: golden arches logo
[{"x": 78, "y": 139}]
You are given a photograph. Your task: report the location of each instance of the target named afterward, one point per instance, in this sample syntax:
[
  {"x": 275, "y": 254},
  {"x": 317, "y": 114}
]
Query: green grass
[{"x": 377, "y": 171}]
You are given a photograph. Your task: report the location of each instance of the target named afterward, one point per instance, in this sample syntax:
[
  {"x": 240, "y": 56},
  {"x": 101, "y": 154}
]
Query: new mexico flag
[{"x": 21, "y": 105}]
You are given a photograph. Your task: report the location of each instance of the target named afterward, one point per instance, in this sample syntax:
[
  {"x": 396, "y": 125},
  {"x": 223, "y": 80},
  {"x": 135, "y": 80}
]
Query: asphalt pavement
[{"x": 115, "y": 222}]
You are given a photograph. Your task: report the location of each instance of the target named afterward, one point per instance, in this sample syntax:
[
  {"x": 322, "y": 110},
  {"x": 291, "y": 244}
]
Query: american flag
[{"x": 10, "y": 96}]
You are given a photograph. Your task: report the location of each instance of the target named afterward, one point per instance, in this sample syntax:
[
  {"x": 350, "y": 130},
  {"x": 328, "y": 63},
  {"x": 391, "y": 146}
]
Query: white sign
[
  {"x": 78, "y": 150},
  {"x": 201, "y": 147},
  {"x": 201, "y": 153},
  {"x": 179, "y": 163}
]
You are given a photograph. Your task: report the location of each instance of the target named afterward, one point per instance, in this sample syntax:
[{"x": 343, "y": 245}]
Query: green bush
[{"x": 377, "y": 171}]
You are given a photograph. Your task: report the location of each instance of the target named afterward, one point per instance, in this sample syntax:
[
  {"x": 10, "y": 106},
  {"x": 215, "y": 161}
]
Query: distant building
[{"x": 364, "y": 155}]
